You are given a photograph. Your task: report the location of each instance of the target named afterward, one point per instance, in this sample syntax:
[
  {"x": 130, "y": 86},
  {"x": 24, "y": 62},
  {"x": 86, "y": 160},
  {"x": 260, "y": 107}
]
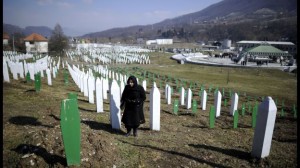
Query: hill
[
  {"x": 43, "y": 30},
  {"x": 230, "y": 13}
]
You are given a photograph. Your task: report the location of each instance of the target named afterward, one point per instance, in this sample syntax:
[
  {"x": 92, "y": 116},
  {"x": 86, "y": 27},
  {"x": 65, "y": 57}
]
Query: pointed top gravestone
[
  {"x": 99, "y": 95},
  {"x": 154, "y": 108},
  {"x": 264, "y": 128},
  {"x": 234, "y": 103},
  {"x": 217, "y": 103},
  {"x": 115, "y": 111}
]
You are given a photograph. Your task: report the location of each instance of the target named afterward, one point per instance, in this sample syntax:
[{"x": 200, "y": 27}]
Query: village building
[
  {"x": 5, "y": 39},
  {"x": 159, "y": 41},
  {"x": 36, "y": 43}
]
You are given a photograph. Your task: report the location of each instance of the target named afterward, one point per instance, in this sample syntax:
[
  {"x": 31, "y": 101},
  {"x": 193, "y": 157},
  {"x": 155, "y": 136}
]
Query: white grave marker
[
  {"x": 145, "y": 84},
  {"x": 182, "y": 96},
  {"x": 234, "y": 103},
  {"x": 217, "y": 103},
  {"x": 204, "y": 99},
  {"x": 154, "y": 108},
  {"x": 5, "y": 72},
  {"x": 49, "y": 79},
  {"x": 264, "y": 128},
  {"x": 99, "y": 96},
  {"x": 115, "y": 111},
  {"x": 168, "y": 94},
  {"x": 90, "y": 89},
  {"x": 188, "y": 99}
]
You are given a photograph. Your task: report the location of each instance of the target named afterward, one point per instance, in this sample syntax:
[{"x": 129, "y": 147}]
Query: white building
[
  {"x": 36, "y": 43},
  {"x": 159, "y": 41}
]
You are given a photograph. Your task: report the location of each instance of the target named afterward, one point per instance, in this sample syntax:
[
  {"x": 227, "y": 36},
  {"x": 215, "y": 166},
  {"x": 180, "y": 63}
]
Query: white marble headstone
[
  {"x": 234, "y": 103},
  {"x": 263, "y": 133},
  {"x": 217, "y": 103},
  {"x": 115, "y": 111},
  {"x": 145, "y": 85},
  {"x": 204, "y": 99},
  {"x": 182, "y": 96},
  {"x": 5, "y": 72},
  {"x": 85, "y": 89},
  {"x": 99, "y": 96},
  {"x": 169, "y": 96},
  {"x": 188, "y": 99},
  {"x": 154, "y": 108},
  {"x": 90, "y": 89},
  {"x": 49, "y": 77}
]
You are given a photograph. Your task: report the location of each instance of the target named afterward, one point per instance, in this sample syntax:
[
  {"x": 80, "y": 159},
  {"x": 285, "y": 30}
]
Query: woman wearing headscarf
[{"x": 133, "y": 98}]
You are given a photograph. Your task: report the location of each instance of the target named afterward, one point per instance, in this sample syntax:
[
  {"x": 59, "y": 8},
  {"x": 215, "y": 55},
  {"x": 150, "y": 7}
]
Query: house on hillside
[
  {"x": 5, "y": 39},
  {"x": 36, "y": 43}
]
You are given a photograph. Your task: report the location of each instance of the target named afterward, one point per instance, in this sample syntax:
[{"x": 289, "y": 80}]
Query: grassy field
[{"x": 32, "y": 135}]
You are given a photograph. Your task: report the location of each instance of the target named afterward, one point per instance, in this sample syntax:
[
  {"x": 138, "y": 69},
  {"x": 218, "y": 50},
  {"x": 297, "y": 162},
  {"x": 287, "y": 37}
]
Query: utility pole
[{"x": 14, "y": 42}]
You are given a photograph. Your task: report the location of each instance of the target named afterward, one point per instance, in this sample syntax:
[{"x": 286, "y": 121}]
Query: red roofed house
[
  {"x": 36, "y": 43},
  {"x": 5, "y": 38}
]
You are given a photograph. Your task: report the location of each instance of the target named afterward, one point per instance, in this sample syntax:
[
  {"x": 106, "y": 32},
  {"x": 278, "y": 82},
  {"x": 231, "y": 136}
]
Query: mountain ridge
[{"x": 224, "y": 12}]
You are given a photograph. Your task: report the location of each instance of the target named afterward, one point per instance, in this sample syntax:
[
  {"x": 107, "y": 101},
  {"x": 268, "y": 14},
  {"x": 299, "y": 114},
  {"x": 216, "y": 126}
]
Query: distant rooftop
[
  {"x": 5, "y": 36},
  {"x": 269, "y": 42},
  {"x": 35, "y": 37}
]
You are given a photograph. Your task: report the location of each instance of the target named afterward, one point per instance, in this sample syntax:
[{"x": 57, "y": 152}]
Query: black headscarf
[{"x": 133, "y": 78}]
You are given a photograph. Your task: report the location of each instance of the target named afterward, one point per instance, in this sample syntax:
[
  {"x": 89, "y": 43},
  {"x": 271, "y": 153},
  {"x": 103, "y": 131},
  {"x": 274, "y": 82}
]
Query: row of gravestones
[
  {"x": 262, "y": 137},
  {"x": 89, "y": 84},
  {"x": 32, "y": 71},
  {"x": 110, "y": 57},
  {"x": 15, "y": 56}
]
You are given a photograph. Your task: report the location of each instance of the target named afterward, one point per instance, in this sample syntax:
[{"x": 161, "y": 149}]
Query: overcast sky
[{"x": 86, "y": 16}]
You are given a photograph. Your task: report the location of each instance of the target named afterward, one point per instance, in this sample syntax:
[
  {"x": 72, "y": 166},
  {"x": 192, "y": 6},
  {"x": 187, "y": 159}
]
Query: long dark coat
[{"x": 134, "y": 98}]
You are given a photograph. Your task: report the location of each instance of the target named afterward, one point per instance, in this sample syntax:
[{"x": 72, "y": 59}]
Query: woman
[{"x": 133, "y": 98}]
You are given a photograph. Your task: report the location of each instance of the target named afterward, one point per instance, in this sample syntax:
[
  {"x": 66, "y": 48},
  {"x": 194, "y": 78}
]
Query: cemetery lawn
[{"x": 32, "y": 134}]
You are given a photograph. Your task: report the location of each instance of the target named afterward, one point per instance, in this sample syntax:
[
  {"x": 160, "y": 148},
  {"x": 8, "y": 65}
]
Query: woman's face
[{"x": 131, "y": 83}]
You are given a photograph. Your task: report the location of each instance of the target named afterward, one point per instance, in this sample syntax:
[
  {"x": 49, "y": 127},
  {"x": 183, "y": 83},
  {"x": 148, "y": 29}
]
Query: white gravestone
[
  {"x": 145, "y": 84},
  {"x": 82, "y": 82},
  {"x": 21, "y": 70},
  {"x": 49, "y": 79},
  {"x": 42, "y": 73},
  {"x": 217, "y": 103},
  {"x": 204, "y": 99},
  {"x": 14, "y": 70},
  {"x": 169, "y": 94},
  {"x": 182, "y": 96},
  {"x": 234, "y": 103},
  {"x": 105, "y": 88},
  {"x": 31, "y": 71},
  {"x": 264, "y": 128},
  {"x": 99, "y": 96},
  {"x": 188, "y": 99},
  {"x": 166, "y": 91},
  {"x": 5, "y": 72},
  {"x": 154, "y": 108},
  {"x": 53, "y": 72},
  {"x": 122, "y": 86},
  {"x": 85, "y": 85},
  {"x": 90, "y": 89},
  {"x": 115, "y": 111}
]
